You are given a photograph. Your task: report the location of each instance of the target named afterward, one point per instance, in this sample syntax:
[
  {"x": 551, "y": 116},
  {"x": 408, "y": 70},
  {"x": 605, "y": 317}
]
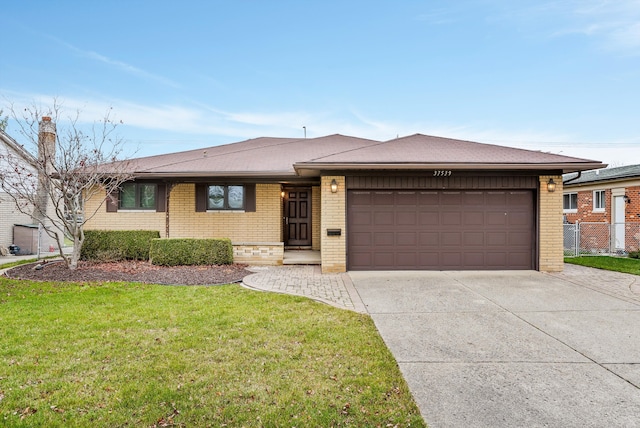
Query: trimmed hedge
[
  {"x": 115, "y": 245},
  {"x": 186, "y": 251}
]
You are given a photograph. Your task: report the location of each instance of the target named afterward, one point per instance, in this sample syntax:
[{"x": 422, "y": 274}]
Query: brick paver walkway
[
  {"x": 334, "y": 289},
  {"x": 622, "y": 285}
]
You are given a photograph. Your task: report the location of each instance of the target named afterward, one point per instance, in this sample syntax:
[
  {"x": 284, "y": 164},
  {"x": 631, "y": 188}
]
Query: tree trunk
[{"x": 72, "y": 262}]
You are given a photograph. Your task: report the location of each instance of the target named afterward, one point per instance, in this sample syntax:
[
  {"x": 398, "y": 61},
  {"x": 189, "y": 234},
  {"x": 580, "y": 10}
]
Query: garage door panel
[
  {"x": 496, "y": 238},
  {"x": 519, "y": 260},
  {"x": 451, "y": 198},
  {"x": 407, "y": 198},
  {"x": 361, "y": 239},
  {"x": 451, "y": 260},
  {"x": 406, "y": 259},
  {"x": 429, "y": 218},
  {"x": 473, "y": 238},
  {"x": 496, "y": 198},
  {"x": 496, "y": 260},
  {"x": 440, "y": 230},
  {"x": 473, "y": 218},
  {"x": 384, "y": 259},
  {"x": 474, "y": 260},
  {"x": 362, "y": 218},
  {"x": 451, "y": 218},
  {"x": 428, "y": 258},
  {"x": 384, "y": 239},
  {"x": 496, "y": 218},
  {"x": 518, "y": 218},
  {"x": 406, "y": 239},
  {"x": 406, "y": 218},
  {"x": 450, "y": 239},
  {"x": 429, "y": 239},
  {"x": 474, "y": 198},
  {"x": 383, "y": 198},
  {"x": 383, "y": 218}
]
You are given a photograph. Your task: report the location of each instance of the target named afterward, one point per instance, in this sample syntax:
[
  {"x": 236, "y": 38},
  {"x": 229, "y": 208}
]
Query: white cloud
[
  {"x": 122, "y": 66},
  {"x": 614, "y": 24},
  {"x": 168, "y": 128}
]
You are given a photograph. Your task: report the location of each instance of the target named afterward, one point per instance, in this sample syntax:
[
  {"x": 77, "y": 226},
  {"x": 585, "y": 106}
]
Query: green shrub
[
  {"x": 186, "y": 251},
  {"x": 115, "y": 245},
  {"x": 634, "y": 254}
]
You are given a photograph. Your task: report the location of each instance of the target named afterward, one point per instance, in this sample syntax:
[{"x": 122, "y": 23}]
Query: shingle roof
[
  {"x": 608, "y": 174},
  {"x": 282, "y": 157}
]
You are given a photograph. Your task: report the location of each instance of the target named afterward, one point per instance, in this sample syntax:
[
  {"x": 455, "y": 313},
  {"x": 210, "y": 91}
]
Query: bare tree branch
[{"x": 84, "y": 163}]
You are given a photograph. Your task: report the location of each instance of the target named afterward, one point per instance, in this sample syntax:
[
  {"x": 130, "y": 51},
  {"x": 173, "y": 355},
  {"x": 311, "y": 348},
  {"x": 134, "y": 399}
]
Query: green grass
[
  {"x": 618, "y": 264},
  {"x": 115, "y": 354},
  {"x": 17, "y": 263}
]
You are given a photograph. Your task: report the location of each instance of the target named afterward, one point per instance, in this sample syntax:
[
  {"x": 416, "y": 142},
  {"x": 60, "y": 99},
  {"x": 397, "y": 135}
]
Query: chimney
[
  {"x": 46, "y": 143},
  {"x": 46, "y": 158}
]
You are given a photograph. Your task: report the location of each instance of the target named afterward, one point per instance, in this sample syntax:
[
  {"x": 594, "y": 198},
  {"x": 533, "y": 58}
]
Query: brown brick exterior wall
[
  {"x": 585, "y": 208},
  {"x": 632, "y": 211},
  {"x": 550, "y": 237},
  {"x": 334, "y": 248}
]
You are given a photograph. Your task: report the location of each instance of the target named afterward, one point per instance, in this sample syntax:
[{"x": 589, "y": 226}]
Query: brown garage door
[{"x": 440, "y": 230}]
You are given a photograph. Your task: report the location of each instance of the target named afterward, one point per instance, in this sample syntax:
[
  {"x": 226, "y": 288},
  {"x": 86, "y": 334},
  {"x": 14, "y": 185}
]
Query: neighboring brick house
[
  {"x": 611, "y": 196},
  {"x": 417, "y": 202}
]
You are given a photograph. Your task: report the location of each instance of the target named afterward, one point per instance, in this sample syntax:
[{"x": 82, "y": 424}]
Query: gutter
[
  {"x": 572, "y": 179},
  {"x": 565, "y": 167}
]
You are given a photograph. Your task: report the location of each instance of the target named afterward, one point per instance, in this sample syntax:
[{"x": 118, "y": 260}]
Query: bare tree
[{"x": 72, "y": 164}]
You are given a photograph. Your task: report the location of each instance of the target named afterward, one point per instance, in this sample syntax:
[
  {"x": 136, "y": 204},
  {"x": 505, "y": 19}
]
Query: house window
[
  {"x": 138, "y": 196},
  {"x": 599, "y": 202},
  {"x": 570, "y": 202},
  {"x": 223, "y": 197}
]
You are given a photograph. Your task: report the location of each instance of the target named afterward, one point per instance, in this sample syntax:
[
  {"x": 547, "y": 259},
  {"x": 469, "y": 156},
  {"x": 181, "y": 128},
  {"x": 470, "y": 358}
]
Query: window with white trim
[
  {"x": 599, "y": 201},
  {"x": 570, "y": 202}
]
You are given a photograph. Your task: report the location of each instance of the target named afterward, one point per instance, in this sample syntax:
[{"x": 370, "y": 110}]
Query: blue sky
[{"x": 560, "y": 76}]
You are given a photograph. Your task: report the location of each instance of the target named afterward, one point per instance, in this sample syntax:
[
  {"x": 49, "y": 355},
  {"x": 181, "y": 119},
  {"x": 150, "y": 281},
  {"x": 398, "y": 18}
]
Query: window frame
[
  {"x": 138, "y": 197},
  {"x": 599, "y": 196},
  {"x": 570, "y": 209},
  {"x": 226, "y": 206}
]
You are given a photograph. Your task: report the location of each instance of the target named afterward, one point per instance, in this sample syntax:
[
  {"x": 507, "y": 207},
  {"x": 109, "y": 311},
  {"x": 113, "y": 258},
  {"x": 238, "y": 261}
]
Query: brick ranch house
[
  {"x": 416, "y": 202},
  {"x": 609, "y": 196}
]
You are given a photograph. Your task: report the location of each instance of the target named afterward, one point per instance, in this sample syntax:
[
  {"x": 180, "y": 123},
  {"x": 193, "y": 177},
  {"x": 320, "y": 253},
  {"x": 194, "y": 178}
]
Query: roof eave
[
  {"x": 213, "y": 174},
  {"x": 313, "y": 168}
]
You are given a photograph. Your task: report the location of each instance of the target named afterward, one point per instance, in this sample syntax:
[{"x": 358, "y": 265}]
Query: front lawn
[
  {"x": 618, "y": 264},
  {"x": 123, "y": 354}
]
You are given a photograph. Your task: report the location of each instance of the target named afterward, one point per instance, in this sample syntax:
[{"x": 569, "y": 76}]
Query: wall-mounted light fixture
[
  {"x": 551, "y": 185},
  {"x": 334, "y": 186},
  {"x": 626, "y": 199},
  {"x": 282, "y": 194}
]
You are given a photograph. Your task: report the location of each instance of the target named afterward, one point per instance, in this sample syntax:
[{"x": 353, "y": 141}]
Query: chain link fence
[{"x": 594, "y": 239}]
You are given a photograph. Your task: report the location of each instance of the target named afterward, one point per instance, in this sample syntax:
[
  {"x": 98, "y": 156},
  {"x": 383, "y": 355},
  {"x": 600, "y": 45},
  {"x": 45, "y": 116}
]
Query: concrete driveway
[{"x": 511, "y": 349}]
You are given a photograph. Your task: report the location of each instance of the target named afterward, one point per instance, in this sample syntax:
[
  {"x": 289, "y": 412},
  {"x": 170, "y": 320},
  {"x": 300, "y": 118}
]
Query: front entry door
[{"x": 297, "y": 216}]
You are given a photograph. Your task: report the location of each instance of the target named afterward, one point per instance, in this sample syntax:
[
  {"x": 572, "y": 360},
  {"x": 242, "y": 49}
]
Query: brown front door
[{"x": 297, "y": 216}]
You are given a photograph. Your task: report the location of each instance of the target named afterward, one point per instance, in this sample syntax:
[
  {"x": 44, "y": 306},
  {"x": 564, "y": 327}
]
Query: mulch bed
[{"x": 132, "y": 271}]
